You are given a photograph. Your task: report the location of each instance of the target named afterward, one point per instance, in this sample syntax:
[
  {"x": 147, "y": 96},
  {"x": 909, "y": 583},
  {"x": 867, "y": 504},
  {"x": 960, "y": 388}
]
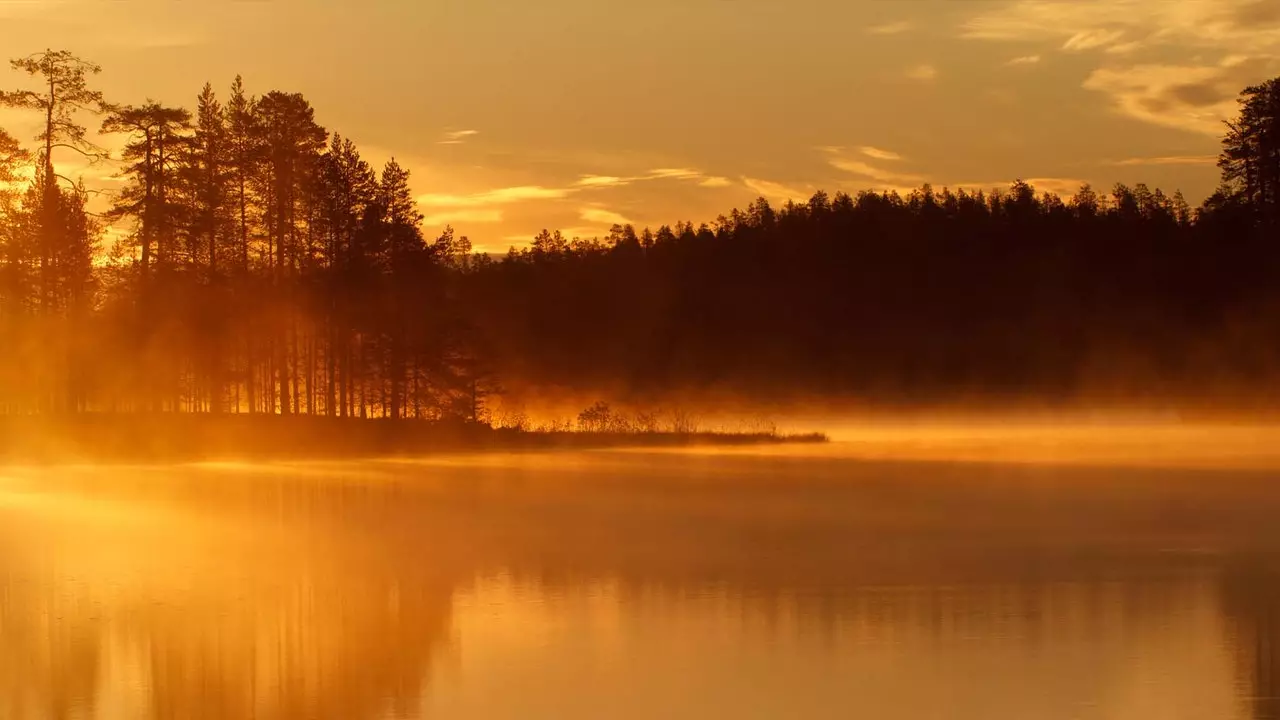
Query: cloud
[
  {"x": 602, "y": 216},
  {"x": 1065, "y": 187},
  {"x": 607, "y": 181},
  {"x": 1031, "y": 20},
  {"x": 1123, "y": 26},
  {"x": 464, "y": 216},
  {"x": 601, "y": 181},
  {"x": 1193, "y": 98},
  {"x": 674, "y": 173},
  {"x": 457, "y": 137},
  {"x": 924, "y": 72},
  {"x": 499, "y": 196},
  {"x": 1025, "y": 60},
  {"x": 1092, "y": 39},
  {"x": 878, "y": 154},
  {"x": 486, "y": 206},
  {"x": 893, "y": 28},
  {"x": 872, "y": 175},
  {"x": 879, "y": 176},
  {"x": 1168, "y": 160},
  {"x": 777, "y": 192}
]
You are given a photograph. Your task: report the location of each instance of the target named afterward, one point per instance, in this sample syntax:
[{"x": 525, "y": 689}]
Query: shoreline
[{"x": 183, "y": 437}]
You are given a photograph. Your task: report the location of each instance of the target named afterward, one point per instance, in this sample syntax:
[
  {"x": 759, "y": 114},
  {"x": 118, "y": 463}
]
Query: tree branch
[{"x": 97, "y": 155}]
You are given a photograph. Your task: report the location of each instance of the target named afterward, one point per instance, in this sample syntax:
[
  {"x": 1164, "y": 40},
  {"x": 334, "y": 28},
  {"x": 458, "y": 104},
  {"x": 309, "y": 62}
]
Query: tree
[
  {"x": 291, "y": 143},
  {"x": 244, "y": 143},
  {"x": 291, "y": 146},
  {"x": 153, "y": 153},
  {"x": 244, "y": 161},
  {"x": 58, "y": 306},
  {"x": 1250, "y": 158},
  {"x": 157, "y": 135},
  {"x": 11, "y": 157},
  {"x": 208, "y": 173},
  {"x": 347, "y": 188},
  {"x": 64, "y": 91}
]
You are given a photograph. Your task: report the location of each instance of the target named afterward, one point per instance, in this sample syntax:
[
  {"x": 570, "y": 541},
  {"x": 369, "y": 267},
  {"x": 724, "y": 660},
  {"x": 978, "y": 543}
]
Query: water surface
[{"x": 910, "y": 576}]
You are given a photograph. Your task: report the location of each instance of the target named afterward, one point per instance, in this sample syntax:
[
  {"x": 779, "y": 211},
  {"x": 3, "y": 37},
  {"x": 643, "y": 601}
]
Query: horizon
[{"x": 506, "y": 130}]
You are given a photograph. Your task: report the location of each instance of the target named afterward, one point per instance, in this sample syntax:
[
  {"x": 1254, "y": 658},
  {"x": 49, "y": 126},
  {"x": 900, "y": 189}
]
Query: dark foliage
[{"x": 268, "y": 268}]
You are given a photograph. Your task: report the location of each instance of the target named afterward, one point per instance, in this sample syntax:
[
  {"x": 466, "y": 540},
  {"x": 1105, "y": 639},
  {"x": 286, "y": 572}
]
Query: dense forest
[{"x": 269, "y": 269}]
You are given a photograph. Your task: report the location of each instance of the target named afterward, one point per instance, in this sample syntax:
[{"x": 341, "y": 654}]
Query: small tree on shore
[{"x": 597, "y": 418}]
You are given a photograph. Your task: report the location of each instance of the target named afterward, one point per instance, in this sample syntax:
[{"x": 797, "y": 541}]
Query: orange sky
[{"x": 576, "y": 114}]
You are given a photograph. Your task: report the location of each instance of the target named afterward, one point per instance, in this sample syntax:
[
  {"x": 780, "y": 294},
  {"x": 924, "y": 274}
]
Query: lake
[{"x": 907, "y": 573}]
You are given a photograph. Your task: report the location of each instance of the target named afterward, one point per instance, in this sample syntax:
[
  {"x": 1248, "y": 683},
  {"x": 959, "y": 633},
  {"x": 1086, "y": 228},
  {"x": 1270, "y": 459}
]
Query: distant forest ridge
[{"x": 270, "y": 269}]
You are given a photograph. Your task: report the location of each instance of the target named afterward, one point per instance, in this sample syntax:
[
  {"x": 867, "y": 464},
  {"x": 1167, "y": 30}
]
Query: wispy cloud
[
  {"x": 608, "y": 181},
  {"x": 923, "y": 72},
  {"x": 893, "y": 28},
  {"x": 1066, "y": 187},
  {"x": 775, "y": 191},
  {"x": 674, "y": 174},
  {"x": 457, "y": 137},
  {"x": 1194, "y": 98},
  {"x": 1168, "y": 160},
  {"x": 878, "y": 176},
  {"x": 499, "y": 196},
  {"x": 1194, "y": 95},
  {"x": 603, "y": 216},
  {"x": 487, "y": 206},
  {"x": 876, "y": 153},
  {"x": 1092, "y": 39},
  {"x": 602, "y": 181},
  {"x": 476, "y": 216},
  {"x": 1025, "y": 60},
  {"x": 1123, "y": 26}
]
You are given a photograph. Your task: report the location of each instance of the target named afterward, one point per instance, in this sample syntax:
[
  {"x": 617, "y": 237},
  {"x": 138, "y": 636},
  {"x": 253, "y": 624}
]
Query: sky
[{"x": 515, "y": 116}]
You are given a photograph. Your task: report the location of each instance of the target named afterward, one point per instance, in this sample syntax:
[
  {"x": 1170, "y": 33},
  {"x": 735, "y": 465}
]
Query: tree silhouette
[
  {"x": 1250, "y": 159},
  {"x": 261, "y": 265}
]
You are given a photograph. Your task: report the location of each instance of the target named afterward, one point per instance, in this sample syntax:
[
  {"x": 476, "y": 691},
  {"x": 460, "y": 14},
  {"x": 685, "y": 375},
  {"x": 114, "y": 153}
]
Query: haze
[
  {"x": 577, "y": 114},
  {"x": 820, "y": 583}
]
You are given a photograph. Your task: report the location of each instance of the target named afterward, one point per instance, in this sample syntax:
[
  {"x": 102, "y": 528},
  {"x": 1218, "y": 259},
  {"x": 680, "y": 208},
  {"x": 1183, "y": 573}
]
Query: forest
[{"x": 267, "y": 268}]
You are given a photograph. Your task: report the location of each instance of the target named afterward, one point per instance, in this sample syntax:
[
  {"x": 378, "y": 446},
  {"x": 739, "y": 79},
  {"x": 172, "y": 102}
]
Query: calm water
[{"x": 886, "y": 579}]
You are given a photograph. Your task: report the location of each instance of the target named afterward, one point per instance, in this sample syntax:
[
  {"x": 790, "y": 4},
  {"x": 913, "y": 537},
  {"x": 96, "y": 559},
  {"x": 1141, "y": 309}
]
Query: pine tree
[
  {"x": 153, "y": 152},
  {"x": 64, "y": 92},
  {"x": 1250, "y": 159},
  {"x": 291, "y": 143}
]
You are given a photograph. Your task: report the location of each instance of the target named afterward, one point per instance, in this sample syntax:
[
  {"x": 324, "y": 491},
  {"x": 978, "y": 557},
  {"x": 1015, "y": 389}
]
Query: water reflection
[
  {"x": 1251, "y": 606},
  {"x": 634, "y": 585}
]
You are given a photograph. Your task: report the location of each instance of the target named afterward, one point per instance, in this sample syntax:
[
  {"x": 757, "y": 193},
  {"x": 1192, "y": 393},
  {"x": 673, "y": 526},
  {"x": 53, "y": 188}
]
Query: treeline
[
  {"x": 268, "y": 268},
  {"x": 935, "y": 297}
]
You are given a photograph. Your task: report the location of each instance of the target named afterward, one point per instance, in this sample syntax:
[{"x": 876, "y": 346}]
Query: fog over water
[{"x": 906, "y": 570}]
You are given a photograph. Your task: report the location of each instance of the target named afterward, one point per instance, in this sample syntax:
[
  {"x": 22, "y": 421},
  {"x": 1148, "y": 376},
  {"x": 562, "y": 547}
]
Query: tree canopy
[{"x": 258, "y": 263}]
